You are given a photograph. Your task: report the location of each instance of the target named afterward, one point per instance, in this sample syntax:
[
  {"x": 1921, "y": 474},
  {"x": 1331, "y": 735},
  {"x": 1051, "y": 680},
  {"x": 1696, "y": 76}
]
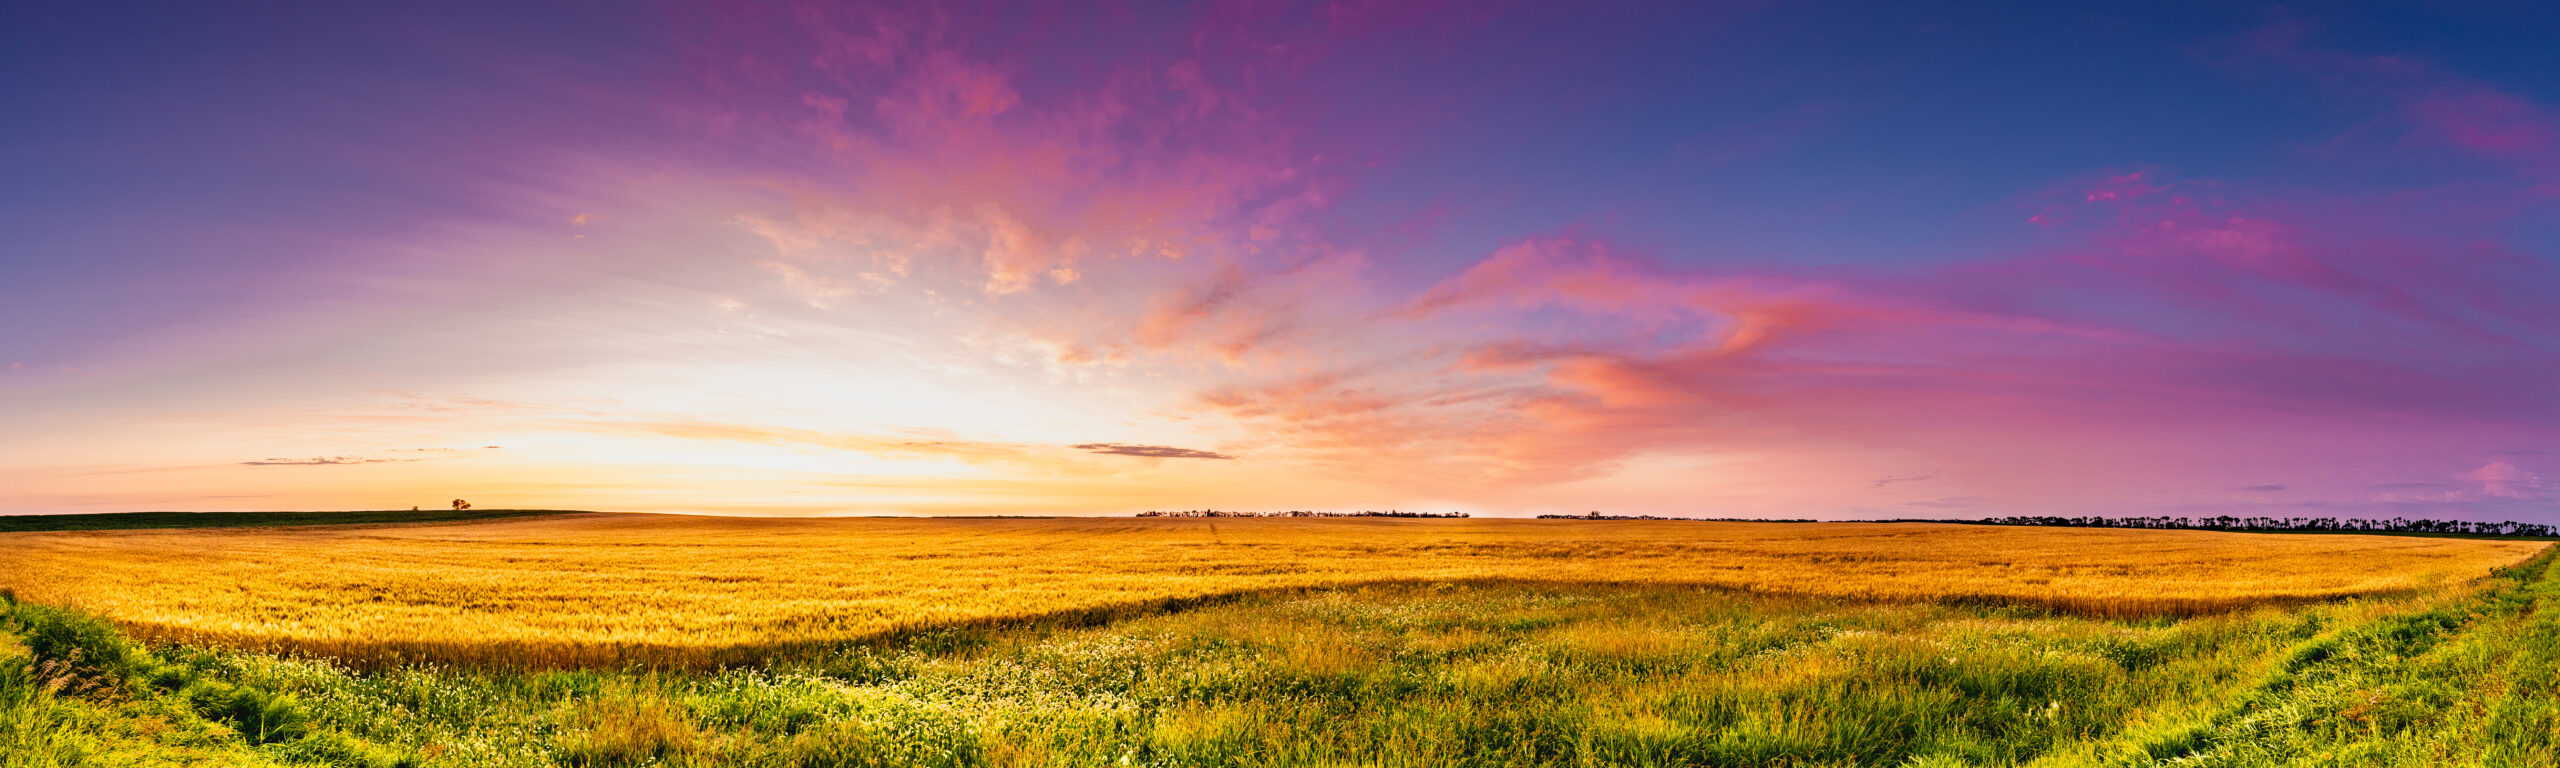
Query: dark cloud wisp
[{"x": 1149, "y": 451}]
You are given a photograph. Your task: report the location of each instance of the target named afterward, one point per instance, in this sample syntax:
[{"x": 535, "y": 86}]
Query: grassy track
[
  {"x": 1414, "y": 675},
  {"x": 670, "y": 591}
]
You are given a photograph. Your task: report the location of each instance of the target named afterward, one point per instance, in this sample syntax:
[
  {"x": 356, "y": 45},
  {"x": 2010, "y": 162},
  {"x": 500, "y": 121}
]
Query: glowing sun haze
[{"x": 1826, "y": 260}]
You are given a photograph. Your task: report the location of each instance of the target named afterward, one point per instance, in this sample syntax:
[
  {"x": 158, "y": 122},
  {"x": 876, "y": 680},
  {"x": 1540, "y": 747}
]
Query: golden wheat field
[{"x": 604, "y": 588}]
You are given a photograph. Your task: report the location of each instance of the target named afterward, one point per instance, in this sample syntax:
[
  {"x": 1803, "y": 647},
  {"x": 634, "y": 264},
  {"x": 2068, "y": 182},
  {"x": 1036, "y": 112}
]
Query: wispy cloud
[
  {"x": 323, "y": 461},
  {"x": 2412, "y": 485},
  {"x": 923, "y": 444},
  {"x": 319, "y": 461},
  {"x": 1149, "y": 451}
]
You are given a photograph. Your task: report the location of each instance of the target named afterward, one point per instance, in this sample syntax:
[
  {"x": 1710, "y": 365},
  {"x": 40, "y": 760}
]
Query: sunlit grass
[
  {"x": 1519, "y": 667},
  {"x": 1481, "y": 675},
  {"x": 702, "y": 591}
]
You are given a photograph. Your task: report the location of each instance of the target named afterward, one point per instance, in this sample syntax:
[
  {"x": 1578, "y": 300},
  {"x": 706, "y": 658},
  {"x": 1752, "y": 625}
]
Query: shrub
[
  {"x": 81, "y": 644},
  {"x": 625, "y": 726}
]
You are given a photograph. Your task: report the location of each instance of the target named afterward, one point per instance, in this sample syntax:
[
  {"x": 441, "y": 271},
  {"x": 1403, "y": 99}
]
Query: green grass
[
  {"x": 1421, "y": 675},
  {"x": 118, "y": 521}
]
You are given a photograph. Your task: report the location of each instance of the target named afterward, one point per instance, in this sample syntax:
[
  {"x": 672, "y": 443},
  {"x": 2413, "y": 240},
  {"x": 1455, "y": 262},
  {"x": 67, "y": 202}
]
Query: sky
[{"x": 1724, "y": 259}]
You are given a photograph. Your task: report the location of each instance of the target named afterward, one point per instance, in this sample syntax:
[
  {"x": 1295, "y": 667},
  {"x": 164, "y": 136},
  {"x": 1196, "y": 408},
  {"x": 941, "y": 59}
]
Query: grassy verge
[
  {"x": 74, "y": 692},
  {"x": 124, "y": 521},
  {"x": 2468, "y": 683}
]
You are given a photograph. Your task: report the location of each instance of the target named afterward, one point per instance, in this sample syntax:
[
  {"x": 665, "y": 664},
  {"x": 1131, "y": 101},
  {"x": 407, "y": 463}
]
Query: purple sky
[{"x": 1806, "y": 260}]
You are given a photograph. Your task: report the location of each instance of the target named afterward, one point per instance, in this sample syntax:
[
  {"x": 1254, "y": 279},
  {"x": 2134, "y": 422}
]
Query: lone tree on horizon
[{"x": 459, "y": 504}]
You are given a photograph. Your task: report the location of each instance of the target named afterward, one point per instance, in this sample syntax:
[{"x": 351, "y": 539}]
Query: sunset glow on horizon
[{"x": 1840, "y": 261}]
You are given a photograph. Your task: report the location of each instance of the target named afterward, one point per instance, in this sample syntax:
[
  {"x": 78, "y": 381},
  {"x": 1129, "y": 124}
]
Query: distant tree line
[
  {"x": 2219, "y": 523},
  {"x": 2296, "y": 524},
  {"x": 1295, "y": 513},
  {"x": 1597, "y": 516}
]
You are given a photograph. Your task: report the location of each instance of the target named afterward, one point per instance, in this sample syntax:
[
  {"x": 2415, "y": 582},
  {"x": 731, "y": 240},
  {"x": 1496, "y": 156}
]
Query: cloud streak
[
  {"x": 1149, "y": 451},
  {"x": 321, "y": 461}
]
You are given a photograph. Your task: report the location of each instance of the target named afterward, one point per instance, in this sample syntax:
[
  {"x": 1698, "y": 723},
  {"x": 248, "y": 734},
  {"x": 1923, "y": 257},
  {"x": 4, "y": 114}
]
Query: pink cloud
[
  {"x": 2490, "y": 122},
  {"x": 959, "y": 170},
  {"x": 2437, "y": 108},
  {"x": 2504, "y": 480},
  {"x": 2121, "y": 187},
  {"x": 946, "y": 97}
]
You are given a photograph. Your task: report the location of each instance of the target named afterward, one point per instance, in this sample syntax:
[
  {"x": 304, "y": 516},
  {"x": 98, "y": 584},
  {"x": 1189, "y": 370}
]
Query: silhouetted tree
[{"x": 2298, "y": 524}]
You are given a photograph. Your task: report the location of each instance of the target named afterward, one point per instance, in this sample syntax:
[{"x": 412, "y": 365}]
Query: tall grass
[{"x": 613, "y": 589}]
